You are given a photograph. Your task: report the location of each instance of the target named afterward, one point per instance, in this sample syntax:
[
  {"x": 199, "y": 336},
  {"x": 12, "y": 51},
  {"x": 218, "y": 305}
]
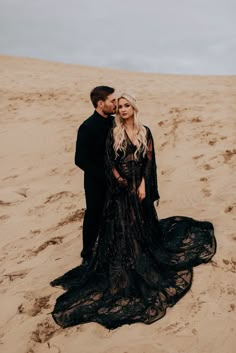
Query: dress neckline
[{"x": 129, "y": 139}]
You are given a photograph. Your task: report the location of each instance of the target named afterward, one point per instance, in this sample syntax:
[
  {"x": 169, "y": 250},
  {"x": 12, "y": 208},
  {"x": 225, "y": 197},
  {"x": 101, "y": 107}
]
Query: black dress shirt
[{"x": 90, "y": 148}]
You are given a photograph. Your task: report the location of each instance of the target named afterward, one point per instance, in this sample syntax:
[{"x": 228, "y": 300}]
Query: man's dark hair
[{"x": 100, "y": 93}]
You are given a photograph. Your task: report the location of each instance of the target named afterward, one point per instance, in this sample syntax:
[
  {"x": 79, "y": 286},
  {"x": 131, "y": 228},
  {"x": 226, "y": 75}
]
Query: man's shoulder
[
  {"x": 87, "y": 124},
  {"x": 93, "y": 122},
  {"x": 89, "y": 121}
]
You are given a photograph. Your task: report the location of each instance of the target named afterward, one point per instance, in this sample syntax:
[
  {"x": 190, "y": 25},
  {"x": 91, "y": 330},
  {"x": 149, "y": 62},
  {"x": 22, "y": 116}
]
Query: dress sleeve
[{"x": 150, "y": 169}]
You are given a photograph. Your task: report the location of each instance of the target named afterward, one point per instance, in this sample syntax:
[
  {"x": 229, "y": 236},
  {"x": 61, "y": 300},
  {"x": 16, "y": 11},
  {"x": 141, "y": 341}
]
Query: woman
[{"x": 140, "y": 265}]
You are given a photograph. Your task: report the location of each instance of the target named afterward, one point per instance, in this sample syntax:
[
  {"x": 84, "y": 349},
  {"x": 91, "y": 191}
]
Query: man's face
[{"x": 109, "y": 105}]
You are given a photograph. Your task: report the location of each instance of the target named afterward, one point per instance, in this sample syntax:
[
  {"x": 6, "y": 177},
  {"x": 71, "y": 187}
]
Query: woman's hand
[
  {"x": 141, "y": 192},
  {"x": 122, "y": 182}
]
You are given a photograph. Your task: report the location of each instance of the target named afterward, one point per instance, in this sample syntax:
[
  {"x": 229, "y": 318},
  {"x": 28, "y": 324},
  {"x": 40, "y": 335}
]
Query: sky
[{"x": 161, "y": 36}]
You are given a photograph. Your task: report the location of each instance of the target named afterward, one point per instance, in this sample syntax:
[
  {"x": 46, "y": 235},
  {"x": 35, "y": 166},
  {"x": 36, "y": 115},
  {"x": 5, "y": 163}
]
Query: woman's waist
[{"x": 130, "y": 170}]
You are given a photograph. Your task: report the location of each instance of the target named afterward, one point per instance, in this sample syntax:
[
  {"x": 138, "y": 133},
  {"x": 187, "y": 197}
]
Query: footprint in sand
[
  {"x": 228, "y": 154},
  {"x": 176, "y": 327},
  {"x": 35, "y": 231},
  {"x": 167, "y": 172},
  {"x": 44, "y": 331},
  {"x": 207, "y": 167},
  {"x": 212, "y": 142},
  {"x": 54, "y": 171},
  {"x": 194, "y": 331},
  {"x": 12, "y": 107},
  {"x": 196, "y": 120},
  {"x": 230, "y": 208},
  {"x": 4, "y": 217},
  {"x": 172, "y": 327},
  {"x": 163, "y": 145},
  {"x": 232, "y": 308},
  {"x": 71, "y": 207},
  {"x": 206, "y": 192},
  {"x": 214, "y": 264},
  {"x": 231, "y": 291},
  {"x": 203, "y": 179},
  {"x": 177, "y": 110},
  {"x": 71, "y": 172},
  {"x": 33, "y": 308},
  {"x": 69, "y": 148},
  {"x": 198, "y": 156},
  {"x": 196, "y": 306},
  {"x": 229, "y": 265},
  {"x": 205, "y": 135}
]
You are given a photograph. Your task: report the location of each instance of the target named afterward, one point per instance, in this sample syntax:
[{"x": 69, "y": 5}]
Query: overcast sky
[{"x": 167, "y": 36}]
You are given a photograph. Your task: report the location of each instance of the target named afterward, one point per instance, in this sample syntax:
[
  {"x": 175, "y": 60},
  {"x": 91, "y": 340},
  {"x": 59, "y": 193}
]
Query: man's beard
[{"x": 108, "y": 112}]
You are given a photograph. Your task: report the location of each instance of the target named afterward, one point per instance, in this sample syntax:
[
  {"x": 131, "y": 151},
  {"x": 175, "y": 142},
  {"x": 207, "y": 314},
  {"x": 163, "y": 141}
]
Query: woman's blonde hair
[{"x": 120, "y": 141}]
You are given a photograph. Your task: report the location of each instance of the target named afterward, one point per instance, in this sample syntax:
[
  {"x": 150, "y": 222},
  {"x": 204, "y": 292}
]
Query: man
[{"x": 89, "y": 156}]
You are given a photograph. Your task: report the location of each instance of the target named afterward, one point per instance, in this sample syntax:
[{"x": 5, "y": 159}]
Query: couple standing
[{"x": 134, "y": 265}]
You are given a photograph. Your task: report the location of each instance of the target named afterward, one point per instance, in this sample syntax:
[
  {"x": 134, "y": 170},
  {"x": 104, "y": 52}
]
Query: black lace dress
[{"x": 141, "y": 265}]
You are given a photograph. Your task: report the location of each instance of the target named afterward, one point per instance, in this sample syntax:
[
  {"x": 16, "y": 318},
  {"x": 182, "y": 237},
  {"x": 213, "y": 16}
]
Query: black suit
[{"x": 89, "y": 156}]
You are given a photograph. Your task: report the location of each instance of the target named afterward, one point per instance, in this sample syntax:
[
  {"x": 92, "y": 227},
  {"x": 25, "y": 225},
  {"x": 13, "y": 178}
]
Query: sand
[{"x": 193, "y": 121}]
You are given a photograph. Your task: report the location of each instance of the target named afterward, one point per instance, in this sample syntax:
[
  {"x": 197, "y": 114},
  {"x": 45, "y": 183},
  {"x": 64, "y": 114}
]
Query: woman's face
[{"x": 125, "y": 109}]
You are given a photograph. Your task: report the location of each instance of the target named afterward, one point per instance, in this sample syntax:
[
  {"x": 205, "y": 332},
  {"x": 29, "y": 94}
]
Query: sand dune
[{"x": 42, "y": 202}]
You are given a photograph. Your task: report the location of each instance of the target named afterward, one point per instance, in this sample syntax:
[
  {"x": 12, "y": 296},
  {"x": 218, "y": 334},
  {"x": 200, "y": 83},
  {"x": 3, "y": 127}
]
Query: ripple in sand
[
  {"x": 52, "y": 241},
  {"x": 59, "y": 195},
  {"x": 76, "y": 216},
  {"x": 12, "y": 276}
]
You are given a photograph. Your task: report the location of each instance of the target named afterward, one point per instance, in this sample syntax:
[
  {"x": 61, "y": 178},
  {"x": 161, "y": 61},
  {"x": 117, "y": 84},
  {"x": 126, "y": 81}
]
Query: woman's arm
[
  {"x": 112, "y": 173},
  {"x": 122, "y": 181},
  {"x": 141, "y": 191}
]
